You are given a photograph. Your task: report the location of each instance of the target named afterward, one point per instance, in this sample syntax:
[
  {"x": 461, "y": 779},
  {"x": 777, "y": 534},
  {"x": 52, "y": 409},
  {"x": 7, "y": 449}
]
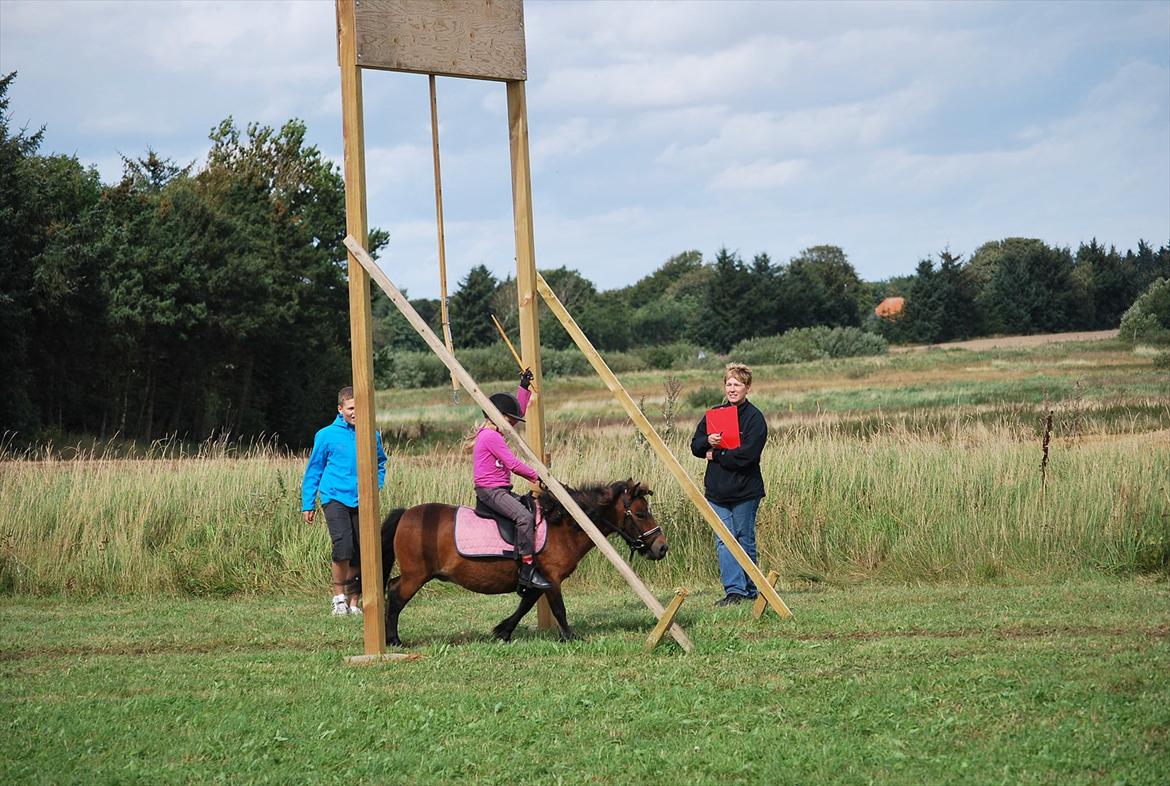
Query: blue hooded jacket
[{"x": 332, "y": 469}]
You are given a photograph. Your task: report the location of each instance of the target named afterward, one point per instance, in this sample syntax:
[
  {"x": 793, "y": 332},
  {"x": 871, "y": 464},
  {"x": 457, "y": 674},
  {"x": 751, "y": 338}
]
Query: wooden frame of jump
[
  {"x": 478, "y": 39},
  {"x": 552, "y": 484}
]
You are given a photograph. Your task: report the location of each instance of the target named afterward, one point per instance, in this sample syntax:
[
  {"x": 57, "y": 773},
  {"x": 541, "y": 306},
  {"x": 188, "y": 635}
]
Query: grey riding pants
[{"x": 504, "y": 502}]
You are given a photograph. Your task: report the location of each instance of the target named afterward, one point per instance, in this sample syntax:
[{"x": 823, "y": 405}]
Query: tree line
[{"x": 211, "y": 300}]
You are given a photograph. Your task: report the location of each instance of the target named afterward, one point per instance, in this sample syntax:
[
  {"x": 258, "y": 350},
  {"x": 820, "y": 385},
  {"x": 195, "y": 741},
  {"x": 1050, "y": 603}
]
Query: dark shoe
[
  {"x": 731, "y": 599},
  {"x": 530, "y": 577}
]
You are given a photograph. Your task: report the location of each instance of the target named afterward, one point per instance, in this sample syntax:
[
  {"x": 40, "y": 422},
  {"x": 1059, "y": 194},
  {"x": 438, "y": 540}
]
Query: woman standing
[{"x": 733, "y": 483}]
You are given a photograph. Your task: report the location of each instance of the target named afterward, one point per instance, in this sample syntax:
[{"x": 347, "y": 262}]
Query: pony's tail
[{"x": 389, "y": 527}]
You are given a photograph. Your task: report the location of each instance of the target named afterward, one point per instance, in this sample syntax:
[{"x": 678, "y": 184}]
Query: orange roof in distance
[{"x": 890, "y": 308}]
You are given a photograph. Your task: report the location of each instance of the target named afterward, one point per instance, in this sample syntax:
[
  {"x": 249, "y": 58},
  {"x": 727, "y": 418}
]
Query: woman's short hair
[{"x": 740, "y": 371}]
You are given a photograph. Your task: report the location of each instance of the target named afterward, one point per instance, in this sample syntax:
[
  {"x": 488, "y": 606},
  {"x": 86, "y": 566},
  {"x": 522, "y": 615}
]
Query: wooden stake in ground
[
  {"x": 664, "y": 454},
  {"x": 552, "y": 484},
  {"x": 667, "y": 618}
]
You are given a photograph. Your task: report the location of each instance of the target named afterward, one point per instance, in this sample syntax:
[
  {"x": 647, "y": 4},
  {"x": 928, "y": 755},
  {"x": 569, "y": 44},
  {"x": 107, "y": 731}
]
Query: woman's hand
[
  {"x": 715, "y": 440},
  {"x": 526, "y": 378},
  {"x": 710, "y": 455}
]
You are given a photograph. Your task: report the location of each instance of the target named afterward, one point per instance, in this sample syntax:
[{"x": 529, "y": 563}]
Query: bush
[
  {"x": 705, "y": 397},
  {"x": 1148, "y": 319},
  {"x": 803, "y": 344},
  {"x": 678, "y": 356}
]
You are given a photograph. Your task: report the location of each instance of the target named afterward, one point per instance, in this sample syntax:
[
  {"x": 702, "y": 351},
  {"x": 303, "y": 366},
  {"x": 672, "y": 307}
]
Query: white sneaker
[
  {"x": 340, "y": 609},
  {"x": 355, "y": 610}
]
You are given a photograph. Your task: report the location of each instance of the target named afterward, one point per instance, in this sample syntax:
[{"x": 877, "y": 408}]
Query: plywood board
[{"x": 481, "y": 39}]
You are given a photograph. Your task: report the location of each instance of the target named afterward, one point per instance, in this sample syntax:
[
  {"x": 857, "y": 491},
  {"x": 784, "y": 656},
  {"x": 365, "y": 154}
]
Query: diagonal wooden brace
[
  {"x": 552, "y": 484},
  {"x": 676, "y": 469}
]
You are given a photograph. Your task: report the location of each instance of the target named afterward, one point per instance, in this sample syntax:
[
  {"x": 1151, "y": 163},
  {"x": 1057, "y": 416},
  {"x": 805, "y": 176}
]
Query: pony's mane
[{"x": 594, "y": 499}]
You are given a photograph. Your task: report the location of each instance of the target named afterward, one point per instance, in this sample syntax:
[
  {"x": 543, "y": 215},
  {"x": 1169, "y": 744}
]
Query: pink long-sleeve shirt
[{"x": 492, "y": 461}]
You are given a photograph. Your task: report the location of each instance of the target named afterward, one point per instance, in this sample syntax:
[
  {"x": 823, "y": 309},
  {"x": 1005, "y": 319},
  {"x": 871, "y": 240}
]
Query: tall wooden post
[
  {"x": 360, "y": 333},
  {"x": 526, "y": 282}
]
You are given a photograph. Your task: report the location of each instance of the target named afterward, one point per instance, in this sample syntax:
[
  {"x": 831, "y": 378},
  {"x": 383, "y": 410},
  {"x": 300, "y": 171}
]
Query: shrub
[
  {"x": 677, "y": 356},
  {"x": 803, "y": 344},
  {"x": 705, "y": 397},
  {"x": 1148, "y": 319}
]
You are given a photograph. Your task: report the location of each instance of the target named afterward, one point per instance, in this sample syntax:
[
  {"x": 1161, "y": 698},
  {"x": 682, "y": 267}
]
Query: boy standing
[{"x": 332, "y": 473}]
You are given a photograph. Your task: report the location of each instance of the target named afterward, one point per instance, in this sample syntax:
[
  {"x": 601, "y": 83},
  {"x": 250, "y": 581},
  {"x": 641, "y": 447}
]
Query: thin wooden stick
[
  {"x": 443, "y": 316},
  {"x": 511, "y": 348},
  {"x": 664, "y": 454},
  {"x": 552, "y": 484}
]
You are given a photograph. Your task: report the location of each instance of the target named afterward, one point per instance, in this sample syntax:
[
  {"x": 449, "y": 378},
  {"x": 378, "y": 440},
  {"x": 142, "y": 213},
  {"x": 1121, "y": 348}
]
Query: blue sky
[{"x": 893, "y": 130}]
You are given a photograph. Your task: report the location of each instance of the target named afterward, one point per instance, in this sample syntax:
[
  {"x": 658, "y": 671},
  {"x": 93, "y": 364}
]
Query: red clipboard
[{"x": 725, "y": 421}]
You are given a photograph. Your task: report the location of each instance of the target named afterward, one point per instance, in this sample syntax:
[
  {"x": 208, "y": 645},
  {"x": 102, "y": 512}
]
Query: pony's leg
[
  {"x": 398, "y": 593},
  {"x": 504, "y": 630},
  {"x": 556, "y": 604}
]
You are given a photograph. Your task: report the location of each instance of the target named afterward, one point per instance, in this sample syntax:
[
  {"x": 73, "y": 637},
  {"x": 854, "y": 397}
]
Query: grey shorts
[{"x": 342, "y": 521}]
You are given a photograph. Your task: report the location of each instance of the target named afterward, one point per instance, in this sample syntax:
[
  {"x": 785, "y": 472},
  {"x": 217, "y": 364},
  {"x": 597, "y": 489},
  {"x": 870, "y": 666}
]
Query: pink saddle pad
[{"x": 479, "y": 537}]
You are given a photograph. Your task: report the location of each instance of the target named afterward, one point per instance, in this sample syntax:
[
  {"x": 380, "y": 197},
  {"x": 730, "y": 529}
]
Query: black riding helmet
[{"x": 507, "y": 404}]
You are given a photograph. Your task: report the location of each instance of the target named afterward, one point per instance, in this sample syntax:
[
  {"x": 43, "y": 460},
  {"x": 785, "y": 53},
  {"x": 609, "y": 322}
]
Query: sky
[{"x": 892, "y": 130}]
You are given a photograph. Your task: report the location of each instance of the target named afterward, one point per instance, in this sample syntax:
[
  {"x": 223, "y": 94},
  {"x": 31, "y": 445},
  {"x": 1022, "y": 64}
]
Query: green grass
[{"x": 1057, "y": 684}]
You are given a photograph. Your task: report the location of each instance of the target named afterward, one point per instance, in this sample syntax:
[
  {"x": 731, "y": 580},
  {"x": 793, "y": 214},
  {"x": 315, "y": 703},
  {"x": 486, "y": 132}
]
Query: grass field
[
  {"x": 960, "y": 616},
  {"x": 1056, "y": 684}
]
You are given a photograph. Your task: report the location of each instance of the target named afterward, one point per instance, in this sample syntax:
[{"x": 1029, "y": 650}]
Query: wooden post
[
  {"x": 443, "y": 316},
  {"x": 526, "y": 284},
  {"x": 666, "y": 619},
  {"x": 676, "y": 469},
  {"x": 758, "y": 606},
  {"x": 360, "y": 333},
  {"x": 552, "y": 484}
]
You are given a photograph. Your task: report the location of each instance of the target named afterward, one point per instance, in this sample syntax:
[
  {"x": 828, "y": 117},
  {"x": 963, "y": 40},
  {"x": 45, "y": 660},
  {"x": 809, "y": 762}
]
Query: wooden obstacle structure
[{"x": 476, "y": 39}]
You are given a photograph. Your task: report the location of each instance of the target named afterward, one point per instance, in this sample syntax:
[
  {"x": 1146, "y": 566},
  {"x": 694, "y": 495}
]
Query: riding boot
[{"x": 530, "y": 577}]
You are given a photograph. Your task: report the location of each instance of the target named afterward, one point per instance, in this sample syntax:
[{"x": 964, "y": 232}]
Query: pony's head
[{"x": 634, "y": 521}]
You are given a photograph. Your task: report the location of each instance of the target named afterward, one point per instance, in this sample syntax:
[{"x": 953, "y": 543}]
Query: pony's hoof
[
  {"x": 393, "y": 642},
  {"x": 570, "y": 636},
  {"x": 502, "y": 633}
]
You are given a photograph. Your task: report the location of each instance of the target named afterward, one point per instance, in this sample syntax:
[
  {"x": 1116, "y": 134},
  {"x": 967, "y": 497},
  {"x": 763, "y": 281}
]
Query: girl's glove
[{"x": 526, "y": 378}]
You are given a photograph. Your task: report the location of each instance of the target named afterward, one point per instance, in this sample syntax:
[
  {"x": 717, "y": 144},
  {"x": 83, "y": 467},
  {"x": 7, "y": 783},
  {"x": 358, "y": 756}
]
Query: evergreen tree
[
  {"x": 820, "y": 287},
  {"x": 724, "y": 322},
  {"x": 470, "y": 309}
]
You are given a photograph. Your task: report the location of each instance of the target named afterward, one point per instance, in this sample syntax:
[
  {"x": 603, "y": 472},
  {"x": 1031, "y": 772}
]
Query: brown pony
[{"x": 422, "y": 538}]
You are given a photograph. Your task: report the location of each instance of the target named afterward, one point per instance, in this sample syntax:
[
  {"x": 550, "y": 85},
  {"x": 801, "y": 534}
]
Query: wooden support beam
[
  {"x": 553, "y": 485},
  {"x": 666, "y": 619},
  {"x": 361, "y": 333},
  {"x": 760, "y": 604},
  {"x": 664, "y": 454},
  {"x": 526, "y": 286},
  {"x": 443, "y": 316}
]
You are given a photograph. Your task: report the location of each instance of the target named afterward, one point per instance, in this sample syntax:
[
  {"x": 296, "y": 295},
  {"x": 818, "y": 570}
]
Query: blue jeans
[{"x": 740, "y": 518}]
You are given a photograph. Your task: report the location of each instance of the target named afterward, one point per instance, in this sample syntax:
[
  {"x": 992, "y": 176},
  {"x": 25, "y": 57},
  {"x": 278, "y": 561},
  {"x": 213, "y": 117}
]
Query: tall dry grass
[{"x": 964, "y": 505}]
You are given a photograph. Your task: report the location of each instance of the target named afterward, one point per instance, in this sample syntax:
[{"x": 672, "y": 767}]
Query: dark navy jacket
[{"x": 734, "y": 475}]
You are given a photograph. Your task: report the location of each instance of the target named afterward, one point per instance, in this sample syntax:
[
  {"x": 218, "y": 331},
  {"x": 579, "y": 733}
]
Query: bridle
[{"x": 641, "y": 541}]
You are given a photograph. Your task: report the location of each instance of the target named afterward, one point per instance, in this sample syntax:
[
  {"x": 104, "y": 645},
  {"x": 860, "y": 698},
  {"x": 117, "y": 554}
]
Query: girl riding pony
[{"x": 493, "y": 465}]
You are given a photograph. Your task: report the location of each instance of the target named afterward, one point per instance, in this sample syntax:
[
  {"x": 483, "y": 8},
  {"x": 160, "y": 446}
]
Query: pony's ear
[
  {"x": 613, "y": 491},
  {"x": 639, "y": 489}
]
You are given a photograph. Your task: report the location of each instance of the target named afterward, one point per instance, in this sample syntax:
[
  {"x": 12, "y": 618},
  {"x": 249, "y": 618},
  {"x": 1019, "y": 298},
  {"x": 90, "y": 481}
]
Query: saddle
[
  {"x": 484, "y": 533},
  {"x": 506, "y": 526}
]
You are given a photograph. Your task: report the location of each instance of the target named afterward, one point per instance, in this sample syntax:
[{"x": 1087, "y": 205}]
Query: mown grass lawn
[{"x": 1061, "y": 684}]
